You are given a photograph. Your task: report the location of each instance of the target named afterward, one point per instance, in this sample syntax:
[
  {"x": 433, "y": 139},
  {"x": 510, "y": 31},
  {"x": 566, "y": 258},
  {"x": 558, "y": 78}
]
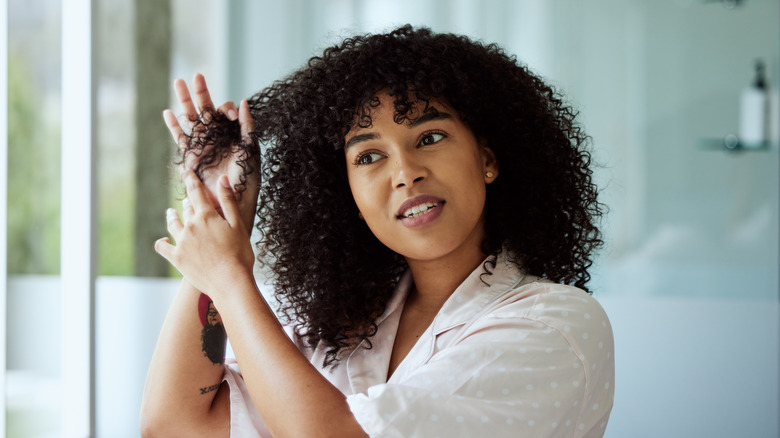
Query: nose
[{"x": 408, "y": 170}]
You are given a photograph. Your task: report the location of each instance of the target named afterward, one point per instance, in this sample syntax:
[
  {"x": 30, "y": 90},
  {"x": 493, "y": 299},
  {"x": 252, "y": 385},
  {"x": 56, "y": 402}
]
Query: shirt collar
[
  {"x": 365, "y": 369},
  {"x": 476, "y": 291},
  {"x": 483, "y": 285}
]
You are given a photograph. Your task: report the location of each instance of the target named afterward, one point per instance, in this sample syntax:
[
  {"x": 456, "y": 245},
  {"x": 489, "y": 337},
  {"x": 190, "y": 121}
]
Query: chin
[{"x": 427, "y": 252}]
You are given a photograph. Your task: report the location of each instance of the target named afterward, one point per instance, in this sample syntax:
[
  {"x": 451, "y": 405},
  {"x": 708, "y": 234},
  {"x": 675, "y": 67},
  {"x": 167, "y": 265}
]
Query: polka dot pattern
[{"x": 537, "y": 384}]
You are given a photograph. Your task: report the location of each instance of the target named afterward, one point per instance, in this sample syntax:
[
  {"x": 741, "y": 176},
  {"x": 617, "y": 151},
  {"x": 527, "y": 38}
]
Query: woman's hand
[
  {"x": 247, "y": 199},
  {"x": 212, "y": 250}
]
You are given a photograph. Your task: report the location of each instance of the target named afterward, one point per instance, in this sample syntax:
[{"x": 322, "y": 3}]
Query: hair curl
[{"x": 332, "y": 276}]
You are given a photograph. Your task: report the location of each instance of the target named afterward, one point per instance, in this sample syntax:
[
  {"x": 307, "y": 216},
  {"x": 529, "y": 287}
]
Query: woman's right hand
[{"x": 247, "y": 199}]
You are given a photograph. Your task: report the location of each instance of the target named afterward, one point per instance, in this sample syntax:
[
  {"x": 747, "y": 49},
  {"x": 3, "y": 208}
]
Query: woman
[{"x": 428, "y": 217}]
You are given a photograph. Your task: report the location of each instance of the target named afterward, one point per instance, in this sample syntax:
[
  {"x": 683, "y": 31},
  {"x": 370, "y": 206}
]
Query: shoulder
[
  {"x": 547, "y": 317},
  {"x": 571, "y": 312},
  {"x": 554, "y": 304},
  {"x": 556, "y": 339}
]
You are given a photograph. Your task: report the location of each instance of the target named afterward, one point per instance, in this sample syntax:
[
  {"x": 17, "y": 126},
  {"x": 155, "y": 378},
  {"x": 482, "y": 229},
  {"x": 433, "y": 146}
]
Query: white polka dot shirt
[{"x": 516, "y": 357}]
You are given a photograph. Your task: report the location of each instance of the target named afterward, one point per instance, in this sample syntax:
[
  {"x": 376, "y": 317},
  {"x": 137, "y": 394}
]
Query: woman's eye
[
  {"x": 368, "y": 158},
  {"x": 431, "y": 138}
]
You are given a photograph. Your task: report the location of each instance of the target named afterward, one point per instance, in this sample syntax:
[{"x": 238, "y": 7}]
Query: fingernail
[
  {"x": 170, "y": 212},
  {"x": 224, "y": 181},
  {"x": 232, "y": 115}
]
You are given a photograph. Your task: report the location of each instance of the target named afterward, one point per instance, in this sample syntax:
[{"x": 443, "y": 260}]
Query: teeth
[{"x": 419, "y": 210}]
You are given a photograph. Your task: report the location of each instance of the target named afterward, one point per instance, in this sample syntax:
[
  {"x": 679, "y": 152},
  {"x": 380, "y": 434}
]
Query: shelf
[{"x": 731, "y": 143}]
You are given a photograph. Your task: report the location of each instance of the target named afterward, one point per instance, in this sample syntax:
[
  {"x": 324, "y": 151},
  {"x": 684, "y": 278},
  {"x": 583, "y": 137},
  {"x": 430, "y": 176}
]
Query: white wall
[
  {"x": 694, "y": 368},
  {"x": 130, "y": 313}
]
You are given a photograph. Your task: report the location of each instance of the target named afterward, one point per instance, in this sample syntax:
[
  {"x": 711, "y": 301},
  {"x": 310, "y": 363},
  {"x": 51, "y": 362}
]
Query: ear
[{"x": 489, "y": 164}]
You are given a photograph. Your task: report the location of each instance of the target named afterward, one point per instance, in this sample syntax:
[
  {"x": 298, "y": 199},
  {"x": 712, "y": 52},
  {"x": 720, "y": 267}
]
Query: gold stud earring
[{"x": 489, "y": 174}]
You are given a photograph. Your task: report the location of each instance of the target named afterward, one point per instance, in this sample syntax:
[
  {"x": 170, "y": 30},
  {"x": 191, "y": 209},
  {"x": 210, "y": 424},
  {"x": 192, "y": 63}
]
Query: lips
[{"x": 418, "y": 206}]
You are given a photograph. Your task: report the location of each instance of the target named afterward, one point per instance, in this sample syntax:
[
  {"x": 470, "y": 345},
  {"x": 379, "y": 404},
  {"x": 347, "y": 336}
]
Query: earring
[
  {"x": 489, "y": 174},
  {"x": 360, "y": 215}
]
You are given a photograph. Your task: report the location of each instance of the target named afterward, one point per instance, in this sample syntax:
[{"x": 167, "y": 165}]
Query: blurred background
[{"x": 689, "y": 275}]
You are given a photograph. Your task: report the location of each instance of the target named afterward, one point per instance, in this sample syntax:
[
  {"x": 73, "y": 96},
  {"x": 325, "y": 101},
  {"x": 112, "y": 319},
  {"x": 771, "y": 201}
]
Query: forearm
[
  {"x": 292, "y": 396},
  {"x": 183, "y": 382}
]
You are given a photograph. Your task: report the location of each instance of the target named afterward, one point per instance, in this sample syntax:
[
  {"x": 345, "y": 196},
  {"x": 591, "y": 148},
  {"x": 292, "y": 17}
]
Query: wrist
[{"x": 236, "y": 285}]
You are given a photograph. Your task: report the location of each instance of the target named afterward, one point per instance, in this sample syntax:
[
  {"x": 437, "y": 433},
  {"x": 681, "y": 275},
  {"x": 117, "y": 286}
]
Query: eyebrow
[
  {"x": 358, "y": 138},
  {"x": 425, "y": 118},
  {"x": 429, "y": 117}
]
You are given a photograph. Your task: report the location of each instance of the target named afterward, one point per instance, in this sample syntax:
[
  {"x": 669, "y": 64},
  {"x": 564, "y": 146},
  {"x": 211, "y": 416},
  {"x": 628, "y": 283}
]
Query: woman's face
[{"x": 420, "y": 185}]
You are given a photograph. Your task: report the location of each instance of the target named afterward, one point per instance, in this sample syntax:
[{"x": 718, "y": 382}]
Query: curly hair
[{"x": 333, "y": 278}]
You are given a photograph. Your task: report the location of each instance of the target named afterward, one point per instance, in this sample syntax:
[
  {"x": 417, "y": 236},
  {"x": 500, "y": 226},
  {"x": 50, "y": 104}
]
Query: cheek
[
  {"x": 472, "y": 186},
  {"x": 474, "y": 195},
  {"x": 467, "y": 170},
  {"x": 372, "y": 203},
  {"x": 354, "y": 185},
  {"x": 362, "y": 193}
]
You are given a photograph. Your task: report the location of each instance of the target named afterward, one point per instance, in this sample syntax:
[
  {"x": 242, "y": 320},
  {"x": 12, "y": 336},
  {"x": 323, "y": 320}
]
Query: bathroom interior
[{"x": 679, "y": 97}]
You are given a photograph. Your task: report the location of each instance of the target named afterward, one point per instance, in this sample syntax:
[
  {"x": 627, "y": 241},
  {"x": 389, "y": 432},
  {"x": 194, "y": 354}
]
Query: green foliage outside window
[
  {"x": 33, "y": 177},
  {"x": 34, "y": 146}
]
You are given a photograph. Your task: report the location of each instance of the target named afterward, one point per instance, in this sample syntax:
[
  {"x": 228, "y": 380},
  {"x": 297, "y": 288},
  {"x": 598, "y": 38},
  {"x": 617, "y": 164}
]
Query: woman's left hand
[{"x": 211, "y": 252}]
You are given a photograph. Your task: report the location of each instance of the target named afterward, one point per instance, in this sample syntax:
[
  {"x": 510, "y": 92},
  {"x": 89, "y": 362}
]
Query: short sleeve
[
  {"x": 510, "y": 373},
  {"x": 245, "y": 421}
]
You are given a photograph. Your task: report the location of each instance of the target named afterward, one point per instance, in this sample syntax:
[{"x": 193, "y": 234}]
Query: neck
[{"x": 435, "y": 280}]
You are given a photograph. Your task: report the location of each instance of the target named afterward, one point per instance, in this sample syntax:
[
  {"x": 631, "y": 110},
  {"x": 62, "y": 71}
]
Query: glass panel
[
  {"x": 116, "y": 137},
  {"x": 33, "y": 344},
  {"x": 134, "y": 145}
]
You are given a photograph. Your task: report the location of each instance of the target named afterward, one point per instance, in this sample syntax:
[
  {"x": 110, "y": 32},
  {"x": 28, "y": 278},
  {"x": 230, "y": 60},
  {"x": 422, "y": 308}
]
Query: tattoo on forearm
[
  {"x": 213, "y": 337},
  {"x": 208, "y": 389}
]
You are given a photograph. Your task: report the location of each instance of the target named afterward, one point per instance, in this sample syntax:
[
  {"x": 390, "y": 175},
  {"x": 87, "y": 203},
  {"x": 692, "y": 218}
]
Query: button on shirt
[{"x": 506, "y": 356}]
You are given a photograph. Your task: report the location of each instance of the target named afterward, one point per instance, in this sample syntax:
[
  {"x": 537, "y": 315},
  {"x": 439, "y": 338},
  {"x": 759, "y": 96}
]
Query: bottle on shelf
[{"x": 753, "y": 114}]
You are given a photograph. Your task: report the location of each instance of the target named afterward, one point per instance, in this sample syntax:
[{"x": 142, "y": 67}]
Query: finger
[
  {"x": 229, "y": 109},
  {"x": 185, "y": 100},
  {"x": 187, "y": 210},
  {"x": 196, "y": 192},
  {"x": 163, "y": 247},
  {"x": 202, "y": 96},
  {"x": 173, "y": 223},
  {"x": 227, "y": 200},
  {"x": 245, "y": 119},
  {"x": 181, "y": 139}
]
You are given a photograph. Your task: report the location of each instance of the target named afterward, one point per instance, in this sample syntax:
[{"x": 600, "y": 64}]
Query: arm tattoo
[
  {"x": 208, "y": 389},
  {"x": 213, "y": 337}
]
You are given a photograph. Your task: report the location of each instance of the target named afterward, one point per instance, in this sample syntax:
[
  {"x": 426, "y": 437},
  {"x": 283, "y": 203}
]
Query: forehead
[{"x": 408, "y": 109}]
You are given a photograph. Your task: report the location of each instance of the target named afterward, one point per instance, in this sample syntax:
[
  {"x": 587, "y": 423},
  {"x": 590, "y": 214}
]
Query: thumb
[{"x": 163, "y": 247}]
